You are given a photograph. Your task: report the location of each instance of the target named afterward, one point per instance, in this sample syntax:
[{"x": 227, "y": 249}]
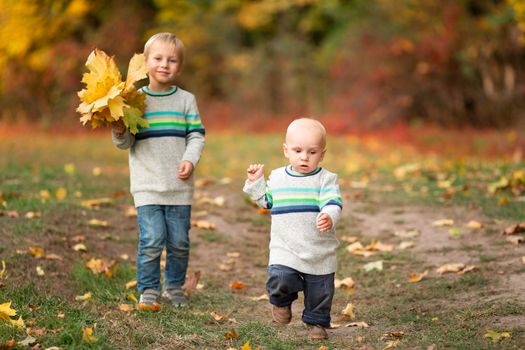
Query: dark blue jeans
[
  {"x": 284, "y": 284},
  {"x": 162, "y": 226}
]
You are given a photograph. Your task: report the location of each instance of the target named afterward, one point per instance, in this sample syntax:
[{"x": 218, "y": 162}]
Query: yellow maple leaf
[
  {"x": 106, "y": 97},
  {"x": 87, "y": 335},
  {"x": 18, "y": 323},
  {"x": 416, "y": 277},
  {"x": 3, "y": 268},
  {"x": 6, "y": 312},
  {"x": 137, "y": 70}
]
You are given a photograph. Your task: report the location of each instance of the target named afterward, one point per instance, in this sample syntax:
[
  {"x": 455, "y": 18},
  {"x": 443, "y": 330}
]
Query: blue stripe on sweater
[{"x": 295, "y": 209}]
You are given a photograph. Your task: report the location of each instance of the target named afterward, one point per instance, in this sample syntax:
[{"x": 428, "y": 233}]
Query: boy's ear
[
  {"x": 285, "y": 150},
  {"x": 322, "y": 155}
]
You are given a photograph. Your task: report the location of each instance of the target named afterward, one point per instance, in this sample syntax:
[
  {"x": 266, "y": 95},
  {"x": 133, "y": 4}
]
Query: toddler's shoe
[
  {"x": 316, "y": 332},
  {"x": 149, "y": 300},
  {"x": 175, "y": 296},
  {"x": 282, "y": 315}
]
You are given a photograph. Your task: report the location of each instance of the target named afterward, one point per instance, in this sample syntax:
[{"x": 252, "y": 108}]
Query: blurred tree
[{"x": 362, "y": 62}]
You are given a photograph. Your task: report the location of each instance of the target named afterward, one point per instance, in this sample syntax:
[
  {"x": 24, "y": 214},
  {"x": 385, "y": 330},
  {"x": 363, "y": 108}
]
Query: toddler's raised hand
[
  {"x": 254, "y": 172},
  {"x": 324, "y": 222}
]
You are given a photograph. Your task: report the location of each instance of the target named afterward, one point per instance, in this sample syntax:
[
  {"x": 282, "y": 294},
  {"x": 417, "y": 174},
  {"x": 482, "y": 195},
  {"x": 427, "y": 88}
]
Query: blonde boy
[
  {"x": 162, "y": 158},
  {"x": 305, "y": 204}
]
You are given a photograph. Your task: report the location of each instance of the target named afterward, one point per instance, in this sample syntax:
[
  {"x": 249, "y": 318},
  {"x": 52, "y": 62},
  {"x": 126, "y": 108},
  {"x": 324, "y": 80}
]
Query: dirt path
[{"x": 434, "y": 246}]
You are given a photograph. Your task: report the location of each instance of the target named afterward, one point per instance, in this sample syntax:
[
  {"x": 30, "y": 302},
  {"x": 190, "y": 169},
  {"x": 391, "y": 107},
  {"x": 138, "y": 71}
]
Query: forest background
[{"x": 354, "y": 63}]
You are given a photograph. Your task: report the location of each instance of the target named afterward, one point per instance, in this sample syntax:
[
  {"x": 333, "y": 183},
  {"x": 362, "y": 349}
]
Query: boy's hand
[
  {"x": 324, "y": 222},
  {"x": 118, "y": 127},
  {"x": 254, "y": 172},
  {"x": 185, "y": 169}
]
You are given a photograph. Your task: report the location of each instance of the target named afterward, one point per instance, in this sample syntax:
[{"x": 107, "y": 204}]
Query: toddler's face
[
  {"x": 163, "y": 63},
  {"x": 304, "y": 149}
]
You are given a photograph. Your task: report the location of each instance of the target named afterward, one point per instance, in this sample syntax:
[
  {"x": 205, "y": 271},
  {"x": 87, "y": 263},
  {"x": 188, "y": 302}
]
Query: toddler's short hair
[{"x": 169, "y": 38}]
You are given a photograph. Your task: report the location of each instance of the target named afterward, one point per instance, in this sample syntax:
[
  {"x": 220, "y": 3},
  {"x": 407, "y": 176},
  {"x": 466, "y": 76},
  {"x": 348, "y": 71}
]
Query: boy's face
[
  {"x": 163, "y": 63},
  {"x": 304, "y": 148}
]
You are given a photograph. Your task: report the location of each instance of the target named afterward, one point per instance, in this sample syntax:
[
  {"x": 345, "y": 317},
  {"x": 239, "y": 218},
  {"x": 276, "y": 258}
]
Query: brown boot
[
  {"x": 317, "y": 332},
  {"x": 282, "y": 315}
]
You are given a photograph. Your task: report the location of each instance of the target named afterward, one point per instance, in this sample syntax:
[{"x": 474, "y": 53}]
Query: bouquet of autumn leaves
[{"x": 107, "y": 98}]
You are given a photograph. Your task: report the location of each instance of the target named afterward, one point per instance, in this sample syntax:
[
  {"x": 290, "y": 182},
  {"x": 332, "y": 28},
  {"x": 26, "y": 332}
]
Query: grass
[{"x": 450, "y": 311}]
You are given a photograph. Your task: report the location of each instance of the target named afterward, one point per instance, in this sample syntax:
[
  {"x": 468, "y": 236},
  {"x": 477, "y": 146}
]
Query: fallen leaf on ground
[
  {"x": 443, "y": 222},
  {"x": 126, "y": 307},
  {"x": 3, "y": 268},
  {"x": 393, "y": 334},
  {"x": 61, "y": 193},
  {"x": 238, "y": 285},
  {"x": 80, "y": 247},
  {"x": 374, "y": 265},
  {"x": 391, "y": 344},
  {"x": 522, "y": 260},
  {"x": 515, "y": 239},
  {"x": 511, "y": 230},
  {"x": 474, "y": 225},
  {"x": 27, "y": 341},
  {"x": 323, "y": 347},
  {"x": 131, "y": 284},
  {"x": 407, "y": 233},
  {"x": 84, "y": 297},
  {"x": 37, "y": 252},
  {"x": 218, "y": 317},
  {"x": 96, "y": 202},
  {"x": 458, "y": 268},
  {"x": 416, "y": 277},
  {"x": 232, "y": 334},
  {"x": 40, "y": 271},
  {"x": 233, "y": 254},
  {"x": 261, "y": 297},
  {"x": 132, "y": 297},
  {"x": 44, "y": 194},
  {"x": 378, "y": 246},
  {"x": 101, "y": 266},
  {"x": 96, "y": 171},
  {"x": 467, "y": 268},
  {"x": 203, "y": 224},
  {"x": 78, "y": 238},
  {"x": 348, "y": 282},
  {"x": 348, "y": 311},
  {"x": 87, "y": 335},
  {"x": 496, "y": 336},
  {"x": 358, "y": 324},
  {"x": 406, "y": 245},
  {"x": 53, "y": 257},
  {"x": 357, "y": 248},
  {"x": 6, "y": 312},
  {"x": 33, "y": 214},
  {"x": 455, "y": 231},
  {"x": 98, "y": 223}
]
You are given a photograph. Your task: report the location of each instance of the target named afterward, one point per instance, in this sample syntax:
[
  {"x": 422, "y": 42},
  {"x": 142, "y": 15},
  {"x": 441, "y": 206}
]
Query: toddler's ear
[{"x": 285, "y": 150}]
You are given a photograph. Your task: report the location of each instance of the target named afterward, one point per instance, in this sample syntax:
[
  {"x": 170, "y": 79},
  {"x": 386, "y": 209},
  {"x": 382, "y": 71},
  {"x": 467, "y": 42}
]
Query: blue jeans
[
  {"x": 162, "y": 226},
  {"x": 284, "y": 284}
]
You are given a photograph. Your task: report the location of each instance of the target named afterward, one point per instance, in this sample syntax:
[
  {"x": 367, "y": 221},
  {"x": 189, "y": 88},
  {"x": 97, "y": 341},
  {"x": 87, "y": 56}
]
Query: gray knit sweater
[
  {"x": 296, "y": 200},
  {"x": 175, "y": 133}
]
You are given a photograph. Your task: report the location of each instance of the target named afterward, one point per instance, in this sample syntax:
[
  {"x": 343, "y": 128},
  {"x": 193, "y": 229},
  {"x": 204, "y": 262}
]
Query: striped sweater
[
  {"x": 296, "y": 200},
  {"x": 175, "y": 133}
]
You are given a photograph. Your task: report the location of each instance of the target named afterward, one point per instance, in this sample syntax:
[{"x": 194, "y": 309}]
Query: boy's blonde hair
[{"x": 168, "y": 38}]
